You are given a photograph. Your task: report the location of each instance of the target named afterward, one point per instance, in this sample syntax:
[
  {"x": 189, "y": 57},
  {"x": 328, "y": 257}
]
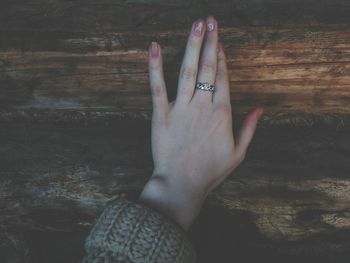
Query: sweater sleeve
[{"x": 129, "y": 232}]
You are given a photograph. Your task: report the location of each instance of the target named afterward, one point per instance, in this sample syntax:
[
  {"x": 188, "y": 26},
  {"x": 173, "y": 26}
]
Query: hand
[{"x": 193, "y": 145}]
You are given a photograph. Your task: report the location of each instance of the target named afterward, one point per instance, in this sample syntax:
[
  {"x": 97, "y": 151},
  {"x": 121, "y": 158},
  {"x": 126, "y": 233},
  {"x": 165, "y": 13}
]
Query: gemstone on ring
[{"x": 205, "y": 86}]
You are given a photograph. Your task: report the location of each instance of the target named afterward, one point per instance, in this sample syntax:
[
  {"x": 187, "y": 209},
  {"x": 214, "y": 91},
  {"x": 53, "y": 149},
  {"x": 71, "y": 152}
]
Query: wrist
[{"x": 171, "y": 199}]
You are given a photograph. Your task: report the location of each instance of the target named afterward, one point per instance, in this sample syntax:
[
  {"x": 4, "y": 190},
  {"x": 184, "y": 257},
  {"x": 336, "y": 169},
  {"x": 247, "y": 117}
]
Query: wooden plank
[
  {"x": 290, "y": 69},
  {"x": 283, "y": 55},
  {"x": 84, "y": 16}
]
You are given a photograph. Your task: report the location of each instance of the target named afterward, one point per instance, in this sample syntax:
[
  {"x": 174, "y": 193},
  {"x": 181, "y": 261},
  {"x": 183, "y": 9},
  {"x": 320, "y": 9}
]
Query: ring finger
[{"x": 208, "y": 62}]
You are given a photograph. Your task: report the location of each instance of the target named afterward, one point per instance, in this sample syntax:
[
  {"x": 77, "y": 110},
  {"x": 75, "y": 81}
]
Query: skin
[{"x": 193, "y": 145}]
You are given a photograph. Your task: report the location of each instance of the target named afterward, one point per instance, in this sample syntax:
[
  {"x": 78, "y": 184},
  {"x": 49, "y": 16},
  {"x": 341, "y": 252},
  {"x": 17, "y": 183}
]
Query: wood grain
[
  {"x": 292, "y": 187},
  {"x": 56, "y": 56},
  {"x": 75, "y": 111}
]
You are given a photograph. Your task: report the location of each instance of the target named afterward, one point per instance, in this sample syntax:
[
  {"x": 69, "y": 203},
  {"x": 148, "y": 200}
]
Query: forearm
[{"x": 171, "y": 199}]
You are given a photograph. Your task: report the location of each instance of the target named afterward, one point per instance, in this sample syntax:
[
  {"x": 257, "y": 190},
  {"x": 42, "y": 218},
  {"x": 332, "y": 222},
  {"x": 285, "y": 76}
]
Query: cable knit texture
[{"x": 128, "y": 232}]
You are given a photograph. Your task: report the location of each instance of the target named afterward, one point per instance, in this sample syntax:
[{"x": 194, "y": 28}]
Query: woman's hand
[{"x": 193, "y": 145}]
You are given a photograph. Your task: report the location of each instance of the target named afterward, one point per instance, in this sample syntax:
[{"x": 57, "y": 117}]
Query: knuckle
[
  {"x": 158, "y": 120},
  {"x": 221, "y": 115},
  {"x": 203, "y": 108},
  {"x": 223, "y": 111},
  {"x": 194, "y": 42},
  {"x": 157, "y": 90},
  {"x": 154, "y": 66},
  {"x": 207, "y": 67},
  {"x": 188, "y": 73}
]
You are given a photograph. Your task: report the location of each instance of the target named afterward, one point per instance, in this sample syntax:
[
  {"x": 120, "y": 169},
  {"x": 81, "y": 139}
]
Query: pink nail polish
[
  {"x": 210, "y": 24},
  {"x": 154, "y": 49},
  {"x": 198, "y": 28},
  {"x": 259, "y": 113}
]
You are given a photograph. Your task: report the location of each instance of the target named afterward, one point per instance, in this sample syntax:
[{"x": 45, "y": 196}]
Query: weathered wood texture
[
  {"x": 284, "y": 55},
  {"x": 291, "y": 196},
  {"x": 75, "y": 133}
]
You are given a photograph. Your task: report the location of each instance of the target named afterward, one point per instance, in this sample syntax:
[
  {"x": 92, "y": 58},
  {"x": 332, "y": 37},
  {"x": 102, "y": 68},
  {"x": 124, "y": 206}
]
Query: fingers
[
  {"x": 221, "y": 95},
  {"x": 157, "y": 83},
  {"x": 208, "y": 62},
  {"x": 247, "y": 132},
  {"x": 189, "y": 67}
]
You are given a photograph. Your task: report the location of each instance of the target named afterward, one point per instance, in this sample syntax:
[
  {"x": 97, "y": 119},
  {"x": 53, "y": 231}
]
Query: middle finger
[{"x": 208, "y": 62}]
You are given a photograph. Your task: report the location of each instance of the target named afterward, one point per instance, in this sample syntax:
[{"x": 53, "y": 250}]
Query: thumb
[{"x": 247, "y": 131}]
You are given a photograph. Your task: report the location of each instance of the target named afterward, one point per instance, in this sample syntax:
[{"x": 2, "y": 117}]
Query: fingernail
[
  {"x": 259, "y": 113},
  {"x": 210, "y": 24},
  {"x": 154, "y": 49},
  {"x": 198, "y": 28}
]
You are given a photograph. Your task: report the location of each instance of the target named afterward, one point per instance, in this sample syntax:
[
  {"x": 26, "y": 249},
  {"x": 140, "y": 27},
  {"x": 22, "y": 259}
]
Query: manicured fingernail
[
  {"x": 210, "y": 24},
  {"x": 259, "y": 113},
  {"x": 154, "y": 49},
  {"x": 198, "y": 28}
]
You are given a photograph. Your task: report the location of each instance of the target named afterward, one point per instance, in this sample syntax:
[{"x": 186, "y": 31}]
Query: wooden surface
[
  {"x": 290, "y": 196},
  {"x": 75, "y": 112},
  {"x": 284, "y": 55}
]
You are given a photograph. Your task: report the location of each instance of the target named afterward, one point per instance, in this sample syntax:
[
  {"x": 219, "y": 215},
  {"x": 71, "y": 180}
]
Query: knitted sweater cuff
[{"x": 131, "y": 232}]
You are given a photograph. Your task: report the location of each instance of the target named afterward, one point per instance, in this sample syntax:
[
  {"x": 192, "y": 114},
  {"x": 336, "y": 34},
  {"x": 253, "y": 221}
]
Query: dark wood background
[{"x": 75, "y": 111}]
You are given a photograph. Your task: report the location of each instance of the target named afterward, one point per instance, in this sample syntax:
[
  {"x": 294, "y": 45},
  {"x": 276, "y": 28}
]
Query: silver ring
[{"x": 205, "y": 86}]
